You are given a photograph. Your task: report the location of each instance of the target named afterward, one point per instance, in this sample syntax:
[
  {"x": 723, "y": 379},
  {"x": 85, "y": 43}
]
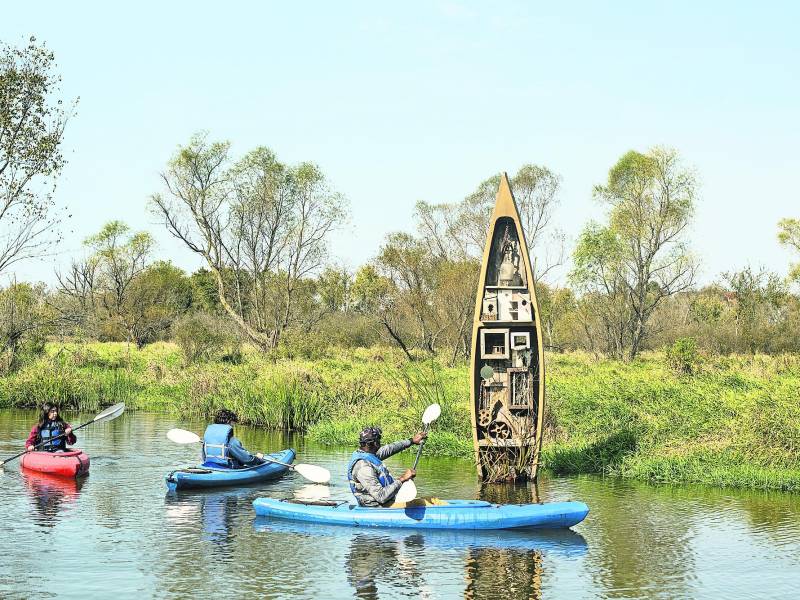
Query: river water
[{"x": 119, "y": 534}]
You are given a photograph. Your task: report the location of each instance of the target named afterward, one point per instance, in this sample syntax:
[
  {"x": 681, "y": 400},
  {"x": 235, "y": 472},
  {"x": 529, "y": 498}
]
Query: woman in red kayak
[{"x": 51, "y": 431}]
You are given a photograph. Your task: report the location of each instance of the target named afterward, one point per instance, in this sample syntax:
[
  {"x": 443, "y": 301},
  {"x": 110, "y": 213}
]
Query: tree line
[{"x": 263, "y": 229}]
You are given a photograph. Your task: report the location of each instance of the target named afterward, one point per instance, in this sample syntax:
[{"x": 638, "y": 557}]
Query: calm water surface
[{"x": 119, "y": 534}]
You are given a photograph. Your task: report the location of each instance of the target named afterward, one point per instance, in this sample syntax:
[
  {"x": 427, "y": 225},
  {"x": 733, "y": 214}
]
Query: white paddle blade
[
  {"x": 181, "y": 436},
  {"x": 312, "y": 491},
  {"x": 112, "y": 412},
  {"x": 313, "y": 473},
  {"x": 431, "y": 414},
  {"x": 407, "y": 492}
]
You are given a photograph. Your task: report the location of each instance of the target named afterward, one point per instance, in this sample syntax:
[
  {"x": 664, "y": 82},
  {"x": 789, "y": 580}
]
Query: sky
[{"x": 401, "y": 102}]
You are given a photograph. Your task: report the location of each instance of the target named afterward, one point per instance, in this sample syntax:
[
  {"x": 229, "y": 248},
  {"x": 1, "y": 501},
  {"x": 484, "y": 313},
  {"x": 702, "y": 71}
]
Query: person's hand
[
  {"x": 30, "y": 448},
  {"x": 259, "y": 456},
  {"x": 409, "y": 474},
  {"x": 417, "y": 439},
  {"x": 68, "y": 430}
]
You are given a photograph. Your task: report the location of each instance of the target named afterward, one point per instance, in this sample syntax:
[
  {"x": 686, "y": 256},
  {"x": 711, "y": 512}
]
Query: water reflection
[
  {"x": 493, "y": 562},
  {"x": 49, "y": 493},
  {"x": 378, "y": 559},
  {"x": 216, "y": 511}
]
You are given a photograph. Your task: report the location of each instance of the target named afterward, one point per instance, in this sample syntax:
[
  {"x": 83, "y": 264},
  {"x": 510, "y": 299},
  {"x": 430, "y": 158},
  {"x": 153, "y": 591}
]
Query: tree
[
  {"x": 375, "y": 295},
  {"x": 789, "y": 235},
  {"x": 458, "y": 231},
  {"x": 31, "y": 129},
  {"x": 155, "y": 299},
  {"x": 265, "y": 224},
  {"x": 121, "y": 257},
  {"x": 630, "y": 265},
  {"x": 25, "y": 320}
]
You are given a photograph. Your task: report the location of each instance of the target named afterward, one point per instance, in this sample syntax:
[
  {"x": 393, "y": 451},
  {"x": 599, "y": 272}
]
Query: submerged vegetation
[{"x": 731, "y": 421}]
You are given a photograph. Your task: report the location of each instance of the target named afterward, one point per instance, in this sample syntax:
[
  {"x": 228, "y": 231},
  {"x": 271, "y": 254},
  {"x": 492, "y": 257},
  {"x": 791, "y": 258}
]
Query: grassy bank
[{"x": 735, "y": 422}]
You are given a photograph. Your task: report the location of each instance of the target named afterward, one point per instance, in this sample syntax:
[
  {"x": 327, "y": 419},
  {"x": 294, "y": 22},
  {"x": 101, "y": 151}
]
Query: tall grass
[{"x": 734, "y": 421}]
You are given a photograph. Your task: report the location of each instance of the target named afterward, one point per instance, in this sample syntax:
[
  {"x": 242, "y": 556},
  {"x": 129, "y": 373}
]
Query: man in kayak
[
  {"x": 222, "y": 448},
  {"x": 370, "y": 480},
  {"x": 51, "y": 431}
]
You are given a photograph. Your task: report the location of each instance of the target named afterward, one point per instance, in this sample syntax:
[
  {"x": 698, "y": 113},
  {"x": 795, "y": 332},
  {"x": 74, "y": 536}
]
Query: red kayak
[{"x": 67, "y": 464}]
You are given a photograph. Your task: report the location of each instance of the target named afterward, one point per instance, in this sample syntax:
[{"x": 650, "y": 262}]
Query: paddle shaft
[{"x": 419, "y": 450}]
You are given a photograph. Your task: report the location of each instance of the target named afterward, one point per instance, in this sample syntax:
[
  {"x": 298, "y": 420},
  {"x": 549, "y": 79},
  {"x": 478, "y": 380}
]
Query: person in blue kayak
[
  {"x": 370, "y": 480},
  {"x": 220, "y": 447},
  {"x": 51, "y": 431}
]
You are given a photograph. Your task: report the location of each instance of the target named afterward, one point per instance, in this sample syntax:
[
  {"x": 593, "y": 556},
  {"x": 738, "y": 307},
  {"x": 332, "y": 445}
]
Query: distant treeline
[{"x": 262, "y": 229}]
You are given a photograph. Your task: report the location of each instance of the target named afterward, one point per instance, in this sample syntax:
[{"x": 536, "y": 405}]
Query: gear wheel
[
  {"x": 498, "y": 430},
  {"x": 484, "y": 417}
]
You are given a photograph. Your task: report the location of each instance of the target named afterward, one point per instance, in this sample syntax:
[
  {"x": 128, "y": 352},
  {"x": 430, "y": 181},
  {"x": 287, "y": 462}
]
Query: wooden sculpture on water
[{"x": 507, "y": 367}]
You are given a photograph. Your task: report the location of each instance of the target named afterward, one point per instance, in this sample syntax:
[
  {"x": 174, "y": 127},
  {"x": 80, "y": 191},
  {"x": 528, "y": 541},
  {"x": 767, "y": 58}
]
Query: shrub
[
  {"x": 683, "y": 356},
  {"x": 202, "y": 336}
]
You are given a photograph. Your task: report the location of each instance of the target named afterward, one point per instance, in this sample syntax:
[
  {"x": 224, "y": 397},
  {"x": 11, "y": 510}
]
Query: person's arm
[
  {"x": 365, "y": 475},
  {"x": 71, "y": 439},
  {"x": 237, "y": 451},
  {"x": 388, "y": 450},
  {"x": 32, "y": 438}
]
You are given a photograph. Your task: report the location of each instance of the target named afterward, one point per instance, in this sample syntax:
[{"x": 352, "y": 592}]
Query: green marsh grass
[{"x": 735, "y": 421}]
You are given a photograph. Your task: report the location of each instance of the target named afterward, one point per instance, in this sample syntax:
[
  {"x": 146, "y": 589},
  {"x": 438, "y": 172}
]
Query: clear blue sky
[{"x": 399, "y": 102}]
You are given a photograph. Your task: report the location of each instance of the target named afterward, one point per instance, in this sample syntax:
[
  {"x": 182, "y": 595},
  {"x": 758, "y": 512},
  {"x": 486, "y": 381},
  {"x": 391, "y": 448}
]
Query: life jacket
[
  {"x": 384, "y": 477},
  {"x": 215, "y": 444},
  {"x": 50, "y": 430}
]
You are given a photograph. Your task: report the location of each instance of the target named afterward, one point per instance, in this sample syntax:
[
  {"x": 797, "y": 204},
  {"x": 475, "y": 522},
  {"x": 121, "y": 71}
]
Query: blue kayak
[
  {"x": 450, "y": 514},
  {"x": 210, "y": 475}
]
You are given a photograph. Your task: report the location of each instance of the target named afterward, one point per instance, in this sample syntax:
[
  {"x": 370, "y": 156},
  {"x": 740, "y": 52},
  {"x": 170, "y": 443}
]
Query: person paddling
[
  {"x": 220, "y": 447},
  {"x": 370, "y": 480},
  {"x": 51, "y": 431}
]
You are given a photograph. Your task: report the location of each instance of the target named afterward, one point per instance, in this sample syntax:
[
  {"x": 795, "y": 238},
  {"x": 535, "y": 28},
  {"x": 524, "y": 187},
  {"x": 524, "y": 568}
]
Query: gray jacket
[{"x": 369, "y": 491}]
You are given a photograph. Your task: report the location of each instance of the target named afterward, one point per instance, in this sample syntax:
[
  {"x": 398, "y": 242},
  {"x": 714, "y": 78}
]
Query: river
[{"x": 118, "y": 533}]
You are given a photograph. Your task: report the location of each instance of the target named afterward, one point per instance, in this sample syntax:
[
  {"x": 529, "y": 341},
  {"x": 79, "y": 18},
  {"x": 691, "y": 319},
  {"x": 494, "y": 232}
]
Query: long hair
[{"x": 44, "y": 415}]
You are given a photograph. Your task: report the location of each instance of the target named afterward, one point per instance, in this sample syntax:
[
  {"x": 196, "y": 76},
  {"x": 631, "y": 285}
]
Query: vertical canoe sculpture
[{"x": 507, "y": 368}]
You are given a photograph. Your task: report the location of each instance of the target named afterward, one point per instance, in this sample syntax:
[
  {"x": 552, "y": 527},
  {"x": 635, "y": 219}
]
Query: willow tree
[
  {"x": 626, "y": 267},
  {"x": 261, "y": 226}
]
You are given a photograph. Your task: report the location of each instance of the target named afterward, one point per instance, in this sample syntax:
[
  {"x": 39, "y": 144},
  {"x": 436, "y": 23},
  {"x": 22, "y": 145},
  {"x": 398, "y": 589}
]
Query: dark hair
[
  {"x": 225, "y": 417},
  {"x": 44, "y": 416}
]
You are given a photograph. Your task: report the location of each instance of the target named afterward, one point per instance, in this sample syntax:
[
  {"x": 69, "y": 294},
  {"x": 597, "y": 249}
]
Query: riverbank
[{"x": 735, "y": 422}]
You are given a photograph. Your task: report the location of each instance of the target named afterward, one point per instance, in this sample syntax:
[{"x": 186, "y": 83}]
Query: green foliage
[
  {"x": 25, "y": 322},
  {"x": 201, "y": 336},
  {"x": 736, "y": 422},
  {"x": 683, "y": 356}
]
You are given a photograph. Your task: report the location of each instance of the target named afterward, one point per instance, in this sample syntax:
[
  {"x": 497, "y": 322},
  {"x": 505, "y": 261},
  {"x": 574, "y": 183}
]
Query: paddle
[
  {"x": 112, "y": 412},
  {"x": 408, "y": 491},
  {"x": 313, "y": 473}
]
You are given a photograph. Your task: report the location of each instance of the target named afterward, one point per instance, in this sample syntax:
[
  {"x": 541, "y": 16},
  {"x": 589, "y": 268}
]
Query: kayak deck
[
  {"x": 73, "y": 463},
  {"x": 455, "y": 514},
  {"x": 212, "y": 476}
]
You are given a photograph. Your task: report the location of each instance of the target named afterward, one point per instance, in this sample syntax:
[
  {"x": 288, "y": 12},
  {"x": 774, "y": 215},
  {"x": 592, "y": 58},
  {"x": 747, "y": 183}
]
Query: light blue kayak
[
  {"x": 213, "y": 476},
  {"x": 455, "y": 514}
]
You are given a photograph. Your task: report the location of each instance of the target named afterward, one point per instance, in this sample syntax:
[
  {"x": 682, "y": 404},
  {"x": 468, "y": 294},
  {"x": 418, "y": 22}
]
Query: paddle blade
[
  {"x": 431, "y": 414},
  {"x": 112, "y": 412},
  {"x": 181, "y": 436},
  {"x": 407, "y": 492},
  {"x": 312, "y": 491},
  {"x": 313, "y": 473}
]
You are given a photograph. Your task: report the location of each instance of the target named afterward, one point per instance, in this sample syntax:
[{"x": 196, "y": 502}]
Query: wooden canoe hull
[{"x": 507, "y": 364}]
